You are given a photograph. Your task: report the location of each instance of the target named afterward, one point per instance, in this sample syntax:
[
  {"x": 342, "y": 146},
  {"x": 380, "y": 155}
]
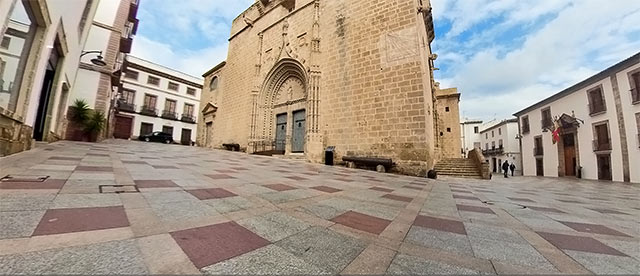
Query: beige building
[
  {"x": 39, "y": 52},
  {"x": 303, "y": 75}
]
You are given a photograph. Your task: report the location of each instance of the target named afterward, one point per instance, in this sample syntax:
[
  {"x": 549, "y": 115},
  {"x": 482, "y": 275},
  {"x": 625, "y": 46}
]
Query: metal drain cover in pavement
[
  {"x": 505, "y": 205},
  {"x": 118, "y": 189},
  {"x": 24, "y": 178}
]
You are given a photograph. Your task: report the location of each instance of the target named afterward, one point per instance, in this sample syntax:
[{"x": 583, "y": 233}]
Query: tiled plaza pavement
[{"x": 188, "y": 210}]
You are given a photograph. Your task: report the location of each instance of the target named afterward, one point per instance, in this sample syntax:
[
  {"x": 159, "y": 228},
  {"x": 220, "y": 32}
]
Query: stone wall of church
[
  {"x": 376, "y": 94},
  {"x": 371, "y": 76},
  {"x": 448, "y": 122}
]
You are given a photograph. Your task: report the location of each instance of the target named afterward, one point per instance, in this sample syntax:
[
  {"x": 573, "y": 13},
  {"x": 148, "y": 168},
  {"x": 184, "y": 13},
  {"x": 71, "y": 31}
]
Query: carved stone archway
[{"x": 284, "y": 91}]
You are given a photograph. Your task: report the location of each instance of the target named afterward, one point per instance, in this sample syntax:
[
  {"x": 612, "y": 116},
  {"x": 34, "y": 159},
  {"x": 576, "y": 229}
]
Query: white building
[
  {"x": 110, "y": 36},
  {"x": 499, "y": 143},
  {"x": 156, "y": 98},
  {"x": 600, "y": 122},
  {"x": 470, "y": 136},
  {"x": 41, "y": 42}
]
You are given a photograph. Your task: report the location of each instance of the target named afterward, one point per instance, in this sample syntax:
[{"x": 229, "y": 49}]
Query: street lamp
[{"x": 97, "y": 60}]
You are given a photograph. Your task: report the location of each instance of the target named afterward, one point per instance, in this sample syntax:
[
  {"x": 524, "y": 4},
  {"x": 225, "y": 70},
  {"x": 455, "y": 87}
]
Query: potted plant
[
  {"x": 94, "y": 124},
  {"x": 78, "y": 114}
]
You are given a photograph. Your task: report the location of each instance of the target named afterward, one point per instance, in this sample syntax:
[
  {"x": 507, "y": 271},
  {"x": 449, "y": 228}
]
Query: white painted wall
[
  {"x": 107, "y": 11},
  {"x": 507, "y": 133},
  {"x": 631, "y": 126},
  {"x": 468, "y": 137},
  {"x": 181, "y": 97},
  {"x": 578, "y": 102}
]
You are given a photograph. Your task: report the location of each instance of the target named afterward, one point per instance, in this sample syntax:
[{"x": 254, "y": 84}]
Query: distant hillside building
[
  {"x": 597, "y": 123},
  {"x": 302, "y": 75}
]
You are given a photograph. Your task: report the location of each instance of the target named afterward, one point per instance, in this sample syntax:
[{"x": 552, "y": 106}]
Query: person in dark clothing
[
  {"x": 513, "y": 168},
  {"x": 505, "y": 168}
]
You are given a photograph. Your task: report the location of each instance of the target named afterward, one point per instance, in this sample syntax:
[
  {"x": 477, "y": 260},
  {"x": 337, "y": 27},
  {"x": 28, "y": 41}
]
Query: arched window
[{"x": 213, "y": 85}]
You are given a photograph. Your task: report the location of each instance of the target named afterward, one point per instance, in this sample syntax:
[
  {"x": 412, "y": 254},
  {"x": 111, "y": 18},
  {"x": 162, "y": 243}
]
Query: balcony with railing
[
  {"x": 493, "y": 151},
  {"x": 601, "y": 145},
  {"x": 149, "y": 111},
  {"x": 538, "y": 151},
  {"x": 126, "y": 107},
  {"x": 188, "y": 118},
  {"x": 169, "y": 114},
  {"x": 595, "y": 109}
]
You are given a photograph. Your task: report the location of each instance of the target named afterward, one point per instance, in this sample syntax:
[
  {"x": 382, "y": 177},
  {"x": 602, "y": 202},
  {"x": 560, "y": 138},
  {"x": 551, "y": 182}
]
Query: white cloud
[
  {"x": 586, "y": 36},
  {"x": 191, "y": 62}
]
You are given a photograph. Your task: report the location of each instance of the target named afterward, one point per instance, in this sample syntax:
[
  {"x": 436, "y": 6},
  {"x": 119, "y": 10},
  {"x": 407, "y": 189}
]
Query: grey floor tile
[
  {"x": 606, "y": 264},
  {"x": 16, "y": 224},
  {"x": 410, "y": 265},
  {"x": 440, "y": 239}
]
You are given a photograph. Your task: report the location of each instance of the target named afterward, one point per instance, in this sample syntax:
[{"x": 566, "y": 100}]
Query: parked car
[{"x": 157, "y": 136}]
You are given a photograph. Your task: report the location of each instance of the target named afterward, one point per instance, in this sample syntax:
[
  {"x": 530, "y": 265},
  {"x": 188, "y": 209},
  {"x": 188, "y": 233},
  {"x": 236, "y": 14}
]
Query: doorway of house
[
  {"x": 45, "y": 94},
  {"x": 297, "y": 140},
  {"x": 539, "y": 167},
  {"x": 281, "y": 132},
  {"x": 185, "y": 138},
  {"x": 495, "y": 167},
  {"x": 569, "y": 155},
  {"x": 207, "y": 133},
  {"x": 123, "y": 127},
  {"x": 604, "y": 167}
]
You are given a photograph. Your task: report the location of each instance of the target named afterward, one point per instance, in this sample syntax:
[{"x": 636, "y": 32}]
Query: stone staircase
[{"x": 458, "y": 167}]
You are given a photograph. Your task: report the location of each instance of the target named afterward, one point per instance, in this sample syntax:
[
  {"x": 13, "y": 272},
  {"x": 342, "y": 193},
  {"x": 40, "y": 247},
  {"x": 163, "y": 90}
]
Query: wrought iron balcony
[
  {"x": 601, "y": 145},
  {"x": 168, "y": 114},
  {"x": 127, "y": 107},
  {"x": 149, "y": 111},
  {"x": 538, "y": 151},
  {"x": 188, "y": 118},
  {"x": 493, "y": 151}
]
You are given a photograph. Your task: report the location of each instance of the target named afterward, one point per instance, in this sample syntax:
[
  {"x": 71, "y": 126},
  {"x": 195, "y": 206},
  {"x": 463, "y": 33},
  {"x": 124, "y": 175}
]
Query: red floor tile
[
  {"x": 65, "y": 158},
  {"x": 93, "y": 169},
  {"x": 362, "y": 222},
  {"x": 58, "y": 221},
  {"x": 585, "y": 244},
  {"x": 219, "y": 176},
  {"x": 465, "y": 197},
  {"x": 608, "y": 211},
  {"x": 381, "y": 189},
  {"x": 413, "y": 187},
  {"x": 447, "y": 225},
  {"x": 204, "y": 194},
  {"x": 593, "y": 228},
  {"x": 135, "y": 162},
  {"x": 164, "y": 167},
  {"x": 215, "y": 243},
  {"x": 545, "y": 209},
  {"x": 398, "y": 198},
  {"x": 155, "y": 183},
  {"x": 326, "y": 189},
  {"x": 297, "y": 178},
  {"x": 280, "y": 187},
  {"x": 477, "y": 209},
  {"x": 53, "y": 184}
]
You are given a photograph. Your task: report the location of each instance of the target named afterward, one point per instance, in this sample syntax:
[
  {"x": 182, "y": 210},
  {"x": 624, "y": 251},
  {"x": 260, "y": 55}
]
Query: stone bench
[{"x": 381, "y": 164}]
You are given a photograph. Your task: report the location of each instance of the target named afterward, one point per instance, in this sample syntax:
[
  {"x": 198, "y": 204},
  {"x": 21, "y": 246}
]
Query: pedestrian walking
[
  {"x": 513, "y": 168},
  {"x": 505, "y": 168}
]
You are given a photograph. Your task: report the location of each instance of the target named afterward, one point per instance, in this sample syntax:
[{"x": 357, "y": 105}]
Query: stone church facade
[{"x": 302, "y": 75}]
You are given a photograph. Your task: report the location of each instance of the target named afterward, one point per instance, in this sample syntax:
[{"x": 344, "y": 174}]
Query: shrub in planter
[{"x": 94, "y": 124}]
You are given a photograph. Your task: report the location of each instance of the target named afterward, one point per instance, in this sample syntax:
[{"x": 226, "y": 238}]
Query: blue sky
[{"x": 503, "y": 55}]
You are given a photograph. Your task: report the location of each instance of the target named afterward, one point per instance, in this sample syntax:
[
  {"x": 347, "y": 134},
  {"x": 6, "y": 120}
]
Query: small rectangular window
[
  {"x": 525, "y": 124},
  {"x": 5, "y": 42},
  {"x": 596, "y": 101},
  {"x": 191, "y": 91},
  {"x": 547, "y": 121},
  {"x": 499, "y": 131},
  {"x": 493, "y": 133},
  {"x": 153, "y": 80},
  {"x": 476, "y": 129},
  {"x": 635, "y": 88},
  {"x": 448, "y": 129},
  {"x": 173, "y": 86},
  {"x": 131, "y": 75},
  {"x": 446, "y": 109}
]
